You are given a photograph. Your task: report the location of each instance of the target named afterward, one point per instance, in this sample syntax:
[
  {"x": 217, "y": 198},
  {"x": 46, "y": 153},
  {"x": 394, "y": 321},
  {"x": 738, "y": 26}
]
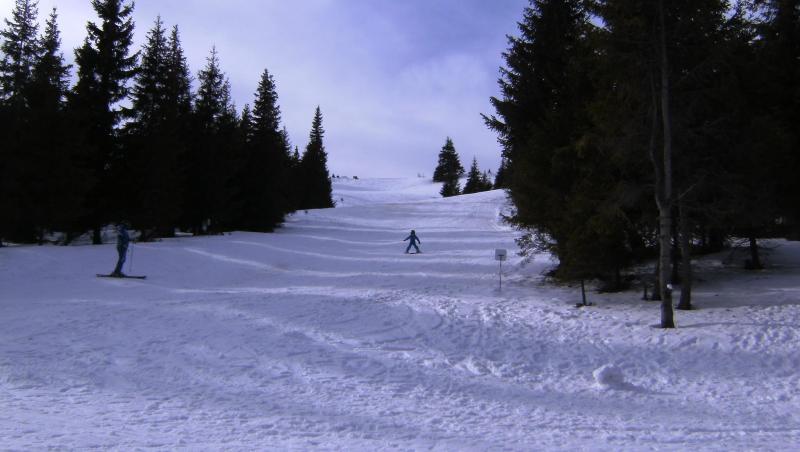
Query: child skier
[{"x": 413, "y": 242}]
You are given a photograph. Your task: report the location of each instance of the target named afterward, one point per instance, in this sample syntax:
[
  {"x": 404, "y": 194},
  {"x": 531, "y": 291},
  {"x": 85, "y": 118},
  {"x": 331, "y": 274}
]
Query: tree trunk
[
  {"x": 716, "y": 240},
  {"x": 656, "y": 296},
  {"x": 703, "y": 238},
  {"x": 583, "y": 293},
  {"x": 686, "y": 259},
  {"x": 755, "y": 259},
  {"x": 665, "y": 204},
  {"x": 69, "y": 237},
  {"x": 166, "y": 232},
  {"x": 97, "y": 236},
  {"x": 667, "y": 315},
  {"x": 675, "y": 250}
]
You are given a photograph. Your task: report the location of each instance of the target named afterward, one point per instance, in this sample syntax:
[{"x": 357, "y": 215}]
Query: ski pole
[{"x": 130, "y": 262}]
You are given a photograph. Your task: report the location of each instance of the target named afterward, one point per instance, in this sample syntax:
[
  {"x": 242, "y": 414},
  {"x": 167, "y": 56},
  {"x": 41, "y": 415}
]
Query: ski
[{"x": 100, "y": 275}]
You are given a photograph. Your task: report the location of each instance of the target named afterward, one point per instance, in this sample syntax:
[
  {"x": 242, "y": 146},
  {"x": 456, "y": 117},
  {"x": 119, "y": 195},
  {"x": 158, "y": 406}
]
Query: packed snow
[{"x": 325, "y": 336}]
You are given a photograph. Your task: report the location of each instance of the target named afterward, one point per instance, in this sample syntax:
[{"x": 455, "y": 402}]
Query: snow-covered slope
[
  {"x": 354, "y": 192},
  {"x": 324, "y": 335}
]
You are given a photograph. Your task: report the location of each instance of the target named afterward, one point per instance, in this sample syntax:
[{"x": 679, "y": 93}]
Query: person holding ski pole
[
  {"x": 413, "y": 240},
  {"x": 123, "y": 239}
]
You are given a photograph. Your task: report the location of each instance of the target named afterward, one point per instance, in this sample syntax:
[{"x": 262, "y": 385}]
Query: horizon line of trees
[
  {"x": 131, "y": 141},
  {"x": 633, "y": 130}
]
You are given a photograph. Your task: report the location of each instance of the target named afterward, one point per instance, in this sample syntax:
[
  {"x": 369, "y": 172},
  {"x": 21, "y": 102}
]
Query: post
[
  {"x": 501, "y": 276},
  {"x": 500, "y": 255},
  {"x": 130, "y": 262}
]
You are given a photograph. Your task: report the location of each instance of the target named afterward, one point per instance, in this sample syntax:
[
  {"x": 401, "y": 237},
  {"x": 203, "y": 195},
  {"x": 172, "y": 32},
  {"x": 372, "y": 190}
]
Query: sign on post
[{"x": 500, "y": 255}]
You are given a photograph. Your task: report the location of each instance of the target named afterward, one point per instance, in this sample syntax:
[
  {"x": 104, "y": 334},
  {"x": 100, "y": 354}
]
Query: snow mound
[{"x": 610, "y": 376}]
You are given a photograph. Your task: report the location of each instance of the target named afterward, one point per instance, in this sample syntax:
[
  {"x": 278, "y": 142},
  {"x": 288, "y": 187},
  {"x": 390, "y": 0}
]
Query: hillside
[{"x": 324, "y": 335}]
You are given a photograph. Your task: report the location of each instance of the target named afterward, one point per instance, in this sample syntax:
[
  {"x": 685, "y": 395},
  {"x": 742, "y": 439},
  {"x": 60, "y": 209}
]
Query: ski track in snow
[{"x": 325, "y": 336}]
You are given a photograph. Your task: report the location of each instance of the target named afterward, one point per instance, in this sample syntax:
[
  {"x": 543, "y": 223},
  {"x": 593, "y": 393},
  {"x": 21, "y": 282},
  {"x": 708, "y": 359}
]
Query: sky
[{"x": 393, "y": 78}]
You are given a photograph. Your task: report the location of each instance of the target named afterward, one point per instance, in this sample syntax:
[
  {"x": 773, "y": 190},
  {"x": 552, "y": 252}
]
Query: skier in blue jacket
[
  {"x": 123, "y": 239},
  {"x": 413, "y": 240}
]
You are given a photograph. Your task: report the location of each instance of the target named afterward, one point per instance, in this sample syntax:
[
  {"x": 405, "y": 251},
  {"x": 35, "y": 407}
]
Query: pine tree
[
  {"x": 156, "y": 134},
  {"x": 667, "y": 72},
  {"x": 295, "y": 185},
  {"x": 58, "y": 185},
  {"x": 50, "y": 75},
  {"x": 501, "y": 178},
  {"x": 537, "y": 88},
  {"x": 266, "y": 175},
  {"x": 178, "y": 83},
  {"x": 210, "y": 167},
  {"x": 450, "y": 187},
  {"x": 486, "y": 181},
  {"x": 315, "y": 178},
  {"x": 474, "y": 179},
  {"x": 556, "y": 176},
  {"x": 230, "y": 159},
  {"x": 778, "y": 59},
  {"x": 20, "y": 48},
  {"x": 448, "y": 170},
  {"x": 246, "y": 125},
  {"x": 104, "y": 68},
  {"x": 449, "y": 165},
  {"x": 148, "y": 92}
]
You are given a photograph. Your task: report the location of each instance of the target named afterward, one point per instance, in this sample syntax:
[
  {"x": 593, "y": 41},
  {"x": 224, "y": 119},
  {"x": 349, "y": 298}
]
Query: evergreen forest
[
  {"x": 123, "y": 137},
  {"x": 661, "y": 129}
]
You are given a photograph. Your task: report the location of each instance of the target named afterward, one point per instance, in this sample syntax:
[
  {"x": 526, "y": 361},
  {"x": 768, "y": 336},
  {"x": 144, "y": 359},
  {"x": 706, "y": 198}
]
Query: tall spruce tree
[
  {"x": 178, "y": 90},
  {"x": 778, "y": 59},
  {"x": 707, "y": 100},
  {"x": 295, "y": 176},
  {"x": 58, "y": 186},
  {"x": 266, "y": 173},
  {"x": 20, "y": 51},
  {"x": 475, "y": 181},
  {"x": 666, "y": 75},
  {"x": 156, "y": 134},
  {"x": 450, "y": 187},
  {"x": 50, "y": 78},
  {"x": 753, "y": 150},
  {"x": 448, "y": 170},
  {"x": 449, "y": 165},
  {"x": 209, "y": 163},
  {"x": 316, "y": 180},
  {"x": 246, "y": 124},
  {"x": 501, "y": 178},
  {"x": 486, "y": 181},
  {"x": 561, "y": 182},
  {"x": 104, "y": 67},
  {"x": 20, "y": 48}
]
